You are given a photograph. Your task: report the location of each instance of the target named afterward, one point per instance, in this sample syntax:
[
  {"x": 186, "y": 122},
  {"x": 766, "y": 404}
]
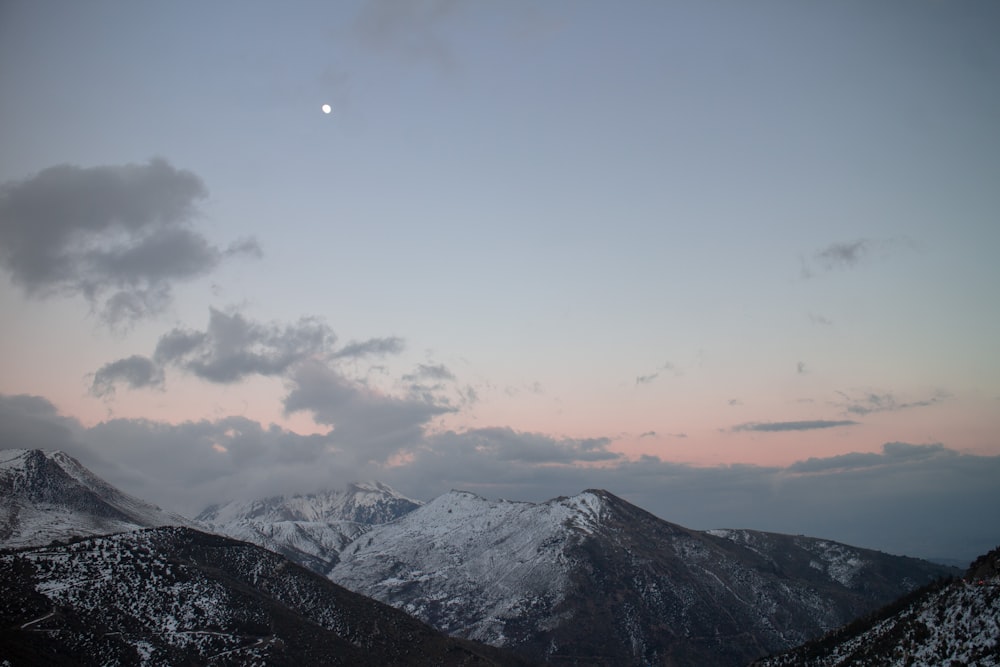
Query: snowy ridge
[
  {"x": 310, "y": 529},
  {"x": 49, "y": 495},
  {"x": 463, "y": 557},
  {"x": 595, "y": 576},
  {"x": 362, "y": 502}
]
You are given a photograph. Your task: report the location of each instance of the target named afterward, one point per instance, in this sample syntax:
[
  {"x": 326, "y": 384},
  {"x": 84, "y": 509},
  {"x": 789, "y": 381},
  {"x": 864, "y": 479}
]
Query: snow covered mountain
[
  {"x": 309, "y": 529},
  {"x": 176, "y": 596},
  {"x": 595, "y": 576},
  {"x": 950, "y": 622},
  {"x": 49, "y": 495},
  {"x": 589, "y": 579}
]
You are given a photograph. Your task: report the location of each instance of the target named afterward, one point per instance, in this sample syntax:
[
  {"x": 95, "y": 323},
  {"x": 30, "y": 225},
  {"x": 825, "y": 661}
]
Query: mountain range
[
  {"x": 589, "y": 580},
  {"x": 595, "y": 576}
]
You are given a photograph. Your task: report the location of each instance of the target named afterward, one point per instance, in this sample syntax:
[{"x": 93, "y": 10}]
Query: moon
[{"x": 326, "y": 108}]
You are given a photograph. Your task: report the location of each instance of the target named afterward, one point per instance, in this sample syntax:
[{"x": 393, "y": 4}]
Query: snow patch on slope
[
  {"x": 463, "y": 557},
  {"x": 839, "y": 562},
  {"x": 311, "y": 529}
]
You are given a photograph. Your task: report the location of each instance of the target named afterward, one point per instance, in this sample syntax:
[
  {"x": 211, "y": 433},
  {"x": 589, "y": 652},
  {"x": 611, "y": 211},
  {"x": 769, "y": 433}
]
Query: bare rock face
[
  {"x": 596, "y": 579},
  {"x": 985, "y": 567}
]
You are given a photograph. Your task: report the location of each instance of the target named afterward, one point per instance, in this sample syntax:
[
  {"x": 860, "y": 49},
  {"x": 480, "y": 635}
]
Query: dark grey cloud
[
  {"x": 120, "y": 236},
  {"x": 32, "y": 422},
  {"x": 371, "y": 425},
  {"x": 800, "y": 368},
  {"x": 234, "y": 347},
  {"x": 648, "y": 434},
  {"x": 868, "y": 403},
  {"x": 849, "y": 254},
  {"x": 920, "y": 500},
  {"x": 135, "y": 372},
  {"x": 770, "y": 427},
  {"x": 892, "y": 453},
  {"x": 373, "y": 347},
  {"x": 843, "y": 255}
]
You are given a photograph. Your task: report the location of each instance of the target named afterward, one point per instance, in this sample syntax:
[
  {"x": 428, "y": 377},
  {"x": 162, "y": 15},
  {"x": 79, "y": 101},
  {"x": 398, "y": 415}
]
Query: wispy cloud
[
  {"x": 847, "y": 255},
  {"x": 646, "y": 379},
  {"x": 373, "y": 347},
  {"x": 430, "y": 372},
  {"x": 843, "y": 255},
  {"x": 412, "y": 30},
  {"x": 820, "y": 320},
  {"x": 120, "y": 236},
  {"x": 774, "y": 427},
  {"x": 867, "y": 403}
]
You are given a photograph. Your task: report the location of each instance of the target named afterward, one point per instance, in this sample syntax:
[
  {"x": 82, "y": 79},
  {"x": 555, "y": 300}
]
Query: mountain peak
[
  {"x": 361, "y": 502},
  {"x": 47, "y": 495},
  {"x": 592, "y": 574},
  {"x": 312, "y": 528}
]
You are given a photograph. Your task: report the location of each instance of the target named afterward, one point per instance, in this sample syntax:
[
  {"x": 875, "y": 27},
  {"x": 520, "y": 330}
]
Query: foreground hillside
[
  {"x": 46, "y": 496},
  {"x": 596, "y": 579},
  {"x": 950, "y": 622},
  {"x": 175, "y": 596}
]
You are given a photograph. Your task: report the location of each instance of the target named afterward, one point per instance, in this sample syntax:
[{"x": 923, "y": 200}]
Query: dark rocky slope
[{"x": 176, "y": 596}]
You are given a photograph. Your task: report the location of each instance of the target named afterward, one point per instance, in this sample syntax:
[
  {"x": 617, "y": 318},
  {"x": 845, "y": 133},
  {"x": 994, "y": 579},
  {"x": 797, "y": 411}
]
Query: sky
[{"x": 734, "y": 262}]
